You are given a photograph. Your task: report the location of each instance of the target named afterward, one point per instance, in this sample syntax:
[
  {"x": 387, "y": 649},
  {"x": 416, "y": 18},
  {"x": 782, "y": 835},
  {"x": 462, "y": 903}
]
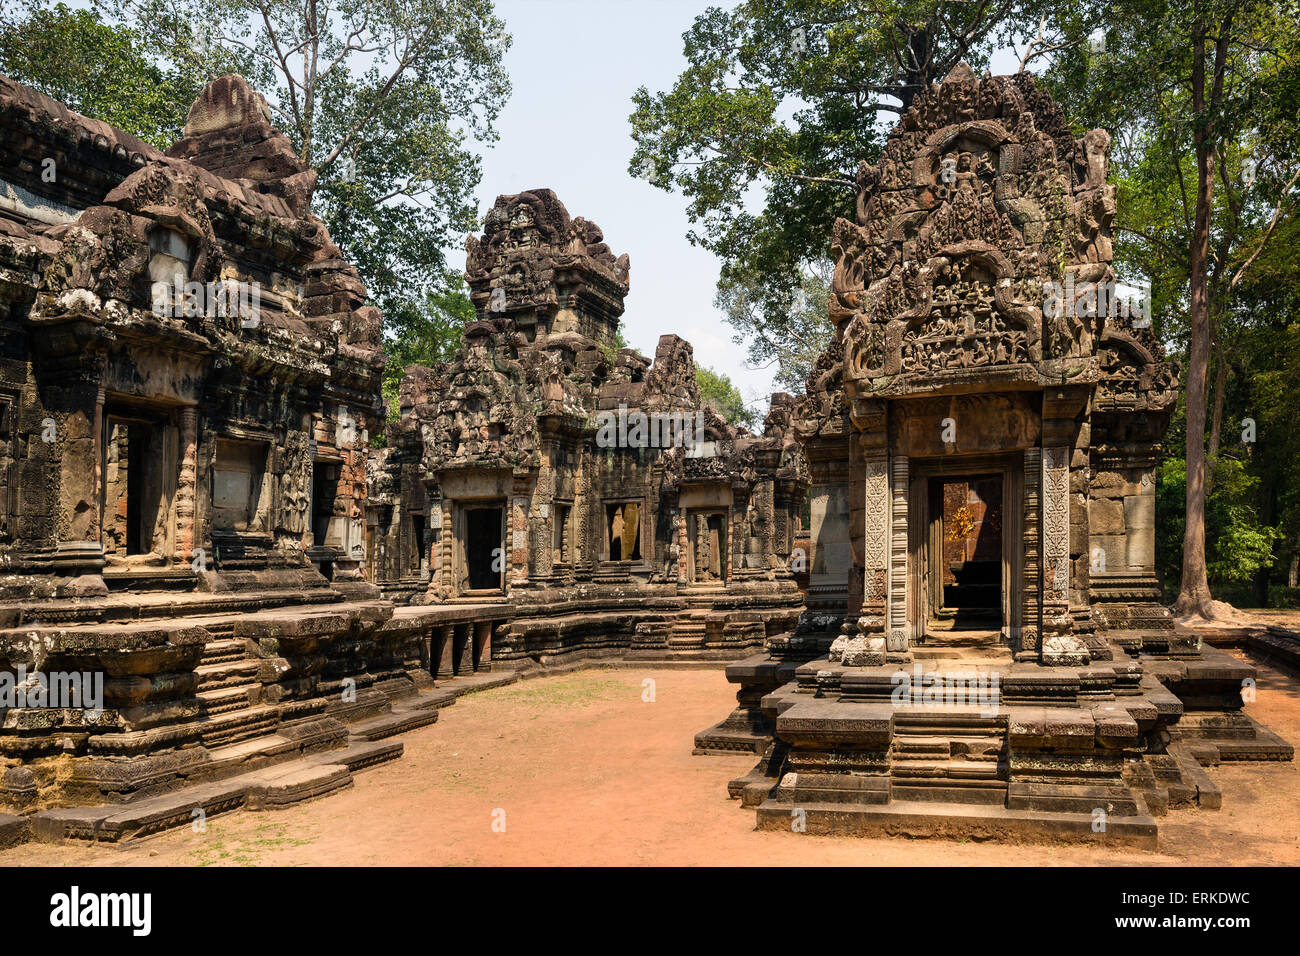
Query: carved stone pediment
[{"x": 972, "y": 235}]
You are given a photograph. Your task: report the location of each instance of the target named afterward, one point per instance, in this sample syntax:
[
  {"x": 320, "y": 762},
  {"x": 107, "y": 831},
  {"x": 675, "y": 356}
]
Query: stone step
[
  {"x": 1115, "y": 801},
  {"x": 242, "y": 724},
  {"x": 919, "y": 744},
  {"x": 918, "y": 818},
  {"x": 145, "y": 580},
  {"x": 948, "y": 722},
  {"x": 387, "y": 725},
  {"x": 224, "y": 650},
  {"x": 361, "y": 754},
  {"x": 978, "y": 792},
  {"x": 225, "y": 700},
  {"x": 949, "y": 768},
  {"x": 227, "y": 674},
  {"x": 293, "y": 783}
]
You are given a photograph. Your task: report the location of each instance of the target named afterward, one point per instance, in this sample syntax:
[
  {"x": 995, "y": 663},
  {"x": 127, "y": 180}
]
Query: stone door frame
[{"x": 1010, "y": 467}]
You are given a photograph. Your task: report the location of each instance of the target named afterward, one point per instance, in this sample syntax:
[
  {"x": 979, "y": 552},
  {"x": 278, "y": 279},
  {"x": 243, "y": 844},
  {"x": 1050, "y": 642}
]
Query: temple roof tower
[{"x": 549, "y": 273}]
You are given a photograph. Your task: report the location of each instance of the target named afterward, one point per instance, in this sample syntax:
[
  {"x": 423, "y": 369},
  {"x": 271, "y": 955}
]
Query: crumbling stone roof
[{"x": 233, "y": 187}]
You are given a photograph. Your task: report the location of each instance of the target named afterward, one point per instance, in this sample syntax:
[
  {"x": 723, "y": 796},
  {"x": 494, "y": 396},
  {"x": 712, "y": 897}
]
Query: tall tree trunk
[
  {"x": 916, "y": 71},
  {"x": 1216, "y": 412},
  {"x": 1194, "y": 589}
]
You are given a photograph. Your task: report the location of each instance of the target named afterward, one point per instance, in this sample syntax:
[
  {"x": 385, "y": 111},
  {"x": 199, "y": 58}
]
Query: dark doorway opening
[
  {"x": 134, "y": 493},
  {"x": 324, "y": 491},
  {"x": 484, "y": 548},
  {"x": 417, "y": 543},
  {"x": 324, "y": 485},
  {"x": 966, "y": 553}
]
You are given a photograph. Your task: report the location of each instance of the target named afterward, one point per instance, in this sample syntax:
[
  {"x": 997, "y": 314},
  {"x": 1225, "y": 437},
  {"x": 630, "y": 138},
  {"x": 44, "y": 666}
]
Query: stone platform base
[
  {"x": 918, "y": 819},
  {"x": 270, "y": 775},
  {"x": 1091, "y": 753},
  {"x": 269, "y": 789}
]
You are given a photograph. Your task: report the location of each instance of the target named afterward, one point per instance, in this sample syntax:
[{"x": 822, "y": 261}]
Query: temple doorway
[
  {"x": 135, "y": 490},
  {"x": 707, "y": 539},
  {"x": 485, "y": 548},
  {"x": 966, "y": 552}
]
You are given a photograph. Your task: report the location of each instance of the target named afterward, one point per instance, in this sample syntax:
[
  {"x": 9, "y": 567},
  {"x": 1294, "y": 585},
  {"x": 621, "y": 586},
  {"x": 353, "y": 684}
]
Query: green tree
[
  {"x": 779, "y": 103},
  {"x": 95, "y": 68},
  {"x": 381, "y": 97},
  {"x": 793, "y": 348},
  {"x": 723, "y": 397},
  {"x": 1240, "y": 544},
  {"x": 432, "y": 334},
  {"x": 1200, "y": 94}
]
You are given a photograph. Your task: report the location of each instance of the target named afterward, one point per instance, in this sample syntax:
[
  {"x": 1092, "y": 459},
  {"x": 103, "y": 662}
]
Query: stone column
[
  {"x": 517, "y": 540},
  {"x": 97, "y": 449},
  {"x": 482, "y": 652},
  {"x": 1031, "y": 579},
  {"x": 876, "y": 527},
  {"x": 462, "y": 650},
  {"x": 441, "y": 646},
  {"x": 681, "y": 529},
  {"x": 187, "y": 483}
]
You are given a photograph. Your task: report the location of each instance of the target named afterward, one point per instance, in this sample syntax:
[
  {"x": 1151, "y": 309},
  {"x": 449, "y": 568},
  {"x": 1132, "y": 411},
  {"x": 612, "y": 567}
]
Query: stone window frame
[
  {"x": 726, "y": 513},
  {"x": 9, "y": 413},
  {"x": 559, "y": 540},
  {"x": 258, "y": 524}
]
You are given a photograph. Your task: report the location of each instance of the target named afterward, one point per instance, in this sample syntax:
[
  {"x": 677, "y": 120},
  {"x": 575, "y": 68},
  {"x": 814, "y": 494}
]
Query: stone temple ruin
[
  {"x": 580, "y": 486},
  {"x": 193, "y": 518},
  {"x": 193, "y": 515},
  {"x": 982, "y": 436}
]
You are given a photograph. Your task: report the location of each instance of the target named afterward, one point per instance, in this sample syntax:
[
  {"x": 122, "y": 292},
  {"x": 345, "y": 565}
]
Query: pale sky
[{"x": 574, "y": 66}]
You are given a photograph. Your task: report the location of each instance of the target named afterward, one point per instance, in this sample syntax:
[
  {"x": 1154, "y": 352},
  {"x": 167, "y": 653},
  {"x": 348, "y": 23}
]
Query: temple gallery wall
[{"x": 931, "y": 575}]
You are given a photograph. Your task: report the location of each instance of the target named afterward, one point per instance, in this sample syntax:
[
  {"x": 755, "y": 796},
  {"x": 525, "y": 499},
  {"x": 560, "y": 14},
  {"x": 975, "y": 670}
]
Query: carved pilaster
[
  {"x": 187, "y": 482},
  {"x": 1060, "y": 645},
  {"x": 897, "y": 639},
  {"x": 1056, "y": 526},
  {"x": 1031, "y": 619},
  {"x": 876, "y": 513}
]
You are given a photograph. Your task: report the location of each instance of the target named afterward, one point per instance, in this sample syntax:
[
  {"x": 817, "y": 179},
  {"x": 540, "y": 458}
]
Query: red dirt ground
[{"x": 588, "y": 773}]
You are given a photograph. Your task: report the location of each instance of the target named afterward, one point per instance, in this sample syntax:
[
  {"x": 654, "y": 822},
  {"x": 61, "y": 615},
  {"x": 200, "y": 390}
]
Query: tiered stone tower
[{"x": 1001, "y": 407}]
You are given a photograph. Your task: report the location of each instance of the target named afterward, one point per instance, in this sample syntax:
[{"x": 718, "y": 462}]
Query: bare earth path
[{"x": 586, "y": 772}]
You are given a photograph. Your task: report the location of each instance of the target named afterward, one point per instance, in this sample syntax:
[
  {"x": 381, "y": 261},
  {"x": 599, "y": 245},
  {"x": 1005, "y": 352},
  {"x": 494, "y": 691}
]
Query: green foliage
[
  {"x": 765, "y": 140},
  {"x": 1238, "y": 545},
  {"x": 97, "y": 69},
  {"x": 432, "y": 330},
  {"x": 380, "y": 97},
  {"x": 1141, "y": 89},
  {"x": 723, "y": 397},
  {"x": 795, "y": 345}
]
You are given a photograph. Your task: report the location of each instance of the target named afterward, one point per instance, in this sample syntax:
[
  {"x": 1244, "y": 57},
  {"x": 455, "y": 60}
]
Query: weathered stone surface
[
  {"x": 980, "y": 389},
  {"x": 584, "y": 487}
]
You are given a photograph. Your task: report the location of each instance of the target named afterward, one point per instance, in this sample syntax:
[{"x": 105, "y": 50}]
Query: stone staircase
[
  {"x": 228, "y": 678},
  {"x": 951, "y": 758},
  {"x": 689, "y": 630}
]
